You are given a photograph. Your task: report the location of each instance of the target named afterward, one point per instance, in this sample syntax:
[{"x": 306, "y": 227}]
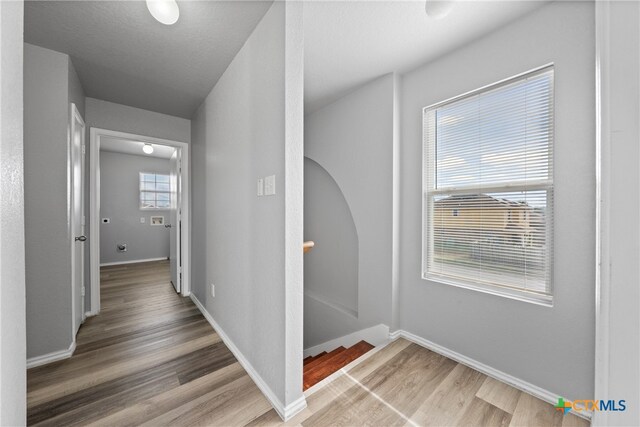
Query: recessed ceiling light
[
  {"x": 147, "y": 148},
  {"x": 438, "y": 8},
  {"x": 165, "y": 11}
]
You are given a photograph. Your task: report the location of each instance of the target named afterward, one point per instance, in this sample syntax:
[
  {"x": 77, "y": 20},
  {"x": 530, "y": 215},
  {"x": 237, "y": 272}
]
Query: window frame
[
  {"x": 428, "y": 164},
  {"x": 140, "y": 191}
]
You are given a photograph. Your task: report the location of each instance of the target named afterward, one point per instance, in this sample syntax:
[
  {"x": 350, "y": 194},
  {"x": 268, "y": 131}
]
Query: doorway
[{"x": 163, "y": 205}]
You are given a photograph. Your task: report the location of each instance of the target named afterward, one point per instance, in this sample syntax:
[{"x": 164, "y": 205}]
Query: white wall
[
  {"x": 352, "y": 139},
  {"x": 331, "y": 269},
  {"x": 122, "y": 118},
  {"x": 551, "y": 347},
  {"x": 12, "y": 281},
  {"x": 618, "y": 333},
  {"x": 111, "y": 116},
  {"x": 249, "y": 127},
  {"x": 48, "y": 91},
  {"x": 120, "y": 202}
]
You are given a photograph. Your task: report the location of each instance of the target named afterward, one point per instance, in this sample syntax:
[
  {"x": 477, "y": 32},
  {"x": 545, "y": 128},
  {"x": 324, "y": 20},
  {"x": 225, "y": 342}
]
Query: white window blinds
[
  {"x": 488, "y": 188},
  {"x": 155, "y": 191}
]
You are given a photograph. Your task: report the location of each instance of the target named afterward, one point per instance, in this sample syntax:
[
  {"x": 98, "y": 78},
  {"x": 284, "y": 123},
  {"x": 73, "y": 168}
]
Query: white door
[
  {"x": 175, "y": 223},
  {"x": 77, "y": 152}
]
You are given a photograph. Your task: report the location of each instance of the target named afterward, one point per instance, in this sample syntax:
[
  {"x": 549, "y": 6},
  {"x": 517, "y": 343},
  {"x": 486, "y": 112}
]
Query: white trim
[
  {"x": 286, "y": 413},
  {"x": 375, "y": 335},
  {"x": 52, "y": 357},
  {"x": 602, "y": 172},
  {"x": 133, "y": 261},
  {"x": 521, "y": 385},
  {"x": 94, "y": 214},
  {"x": 74, "y": 118}
]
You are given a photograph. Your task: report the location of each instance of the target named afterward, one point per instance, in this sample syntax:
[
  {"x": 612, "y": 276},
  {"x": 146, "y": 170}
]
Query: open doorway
[{"x": 148, "y": 223}]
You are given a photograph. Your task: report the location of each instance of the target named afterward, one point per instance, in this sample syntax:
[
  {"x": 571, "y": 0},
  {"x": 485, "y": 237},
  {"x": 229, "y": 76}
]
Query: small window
[
  {"x": 488, "y": 159},
  {"x": 155, "y": 191}
]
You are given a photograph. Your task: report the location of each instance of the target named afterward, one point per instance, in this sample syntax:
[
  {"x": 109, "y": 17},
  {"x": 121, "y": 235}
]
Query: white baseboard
[
  {"x": 133, "y": 261},
  {"x": 286, "y": 413},
  {"x": 522, "y": 385},
  {"x": 375, "y": 335},
  {"x": 51, "y": 357}
]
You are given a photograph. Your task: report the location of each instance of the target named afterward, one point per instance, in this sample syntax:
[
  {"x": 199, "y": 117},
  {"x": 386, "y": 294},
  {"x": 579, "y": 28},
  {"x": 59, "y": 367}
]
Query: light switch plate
[
  {"x": 213, "y": 290},
  {"x": 142, "y": 220},
  {"x": 270, "y": 185},
  {"x": 260, "y": 187}
]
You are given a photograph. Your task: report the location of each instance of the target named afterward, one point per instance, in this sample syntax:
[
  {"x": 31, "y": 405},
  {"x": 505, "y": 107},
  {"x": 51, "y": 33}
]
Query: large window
[
  {"x": 488, "y": 188},
  {"x": 155, "y": 191}
]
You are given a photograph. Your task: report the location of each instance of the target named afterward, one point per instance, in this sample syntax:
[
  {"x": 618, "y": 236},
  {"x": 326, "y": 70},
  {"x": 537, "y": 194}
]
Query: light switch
[
  {"x": 142, "y": 220},
  {"x": 270, "y": 185},
  {"x": 260, "y": 187}
]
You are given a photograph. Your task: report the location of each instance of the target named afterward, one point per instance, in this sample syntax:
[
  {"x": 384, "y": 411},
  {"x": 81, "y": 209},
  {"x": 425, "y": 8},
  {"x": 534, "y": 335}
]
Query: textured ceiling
[
  {"x": 122, "y": 54},
  {"x": 348, "y": 43}
]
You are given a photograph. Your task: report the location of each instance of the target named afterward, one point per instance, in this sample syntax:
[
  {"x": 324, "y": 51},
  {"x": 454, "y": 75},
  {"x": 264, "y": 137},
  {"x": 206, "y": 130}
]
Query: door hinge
[
  {"x": 82, "y": 292},
  {"x": 84, "y": 220},
  {"x": 84, "y": 149}
]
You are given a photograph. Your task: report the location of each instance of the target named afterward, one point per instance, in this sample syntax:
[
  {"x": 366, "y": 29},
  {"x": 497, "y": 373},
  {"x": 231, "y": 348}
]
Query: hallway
[{"x": 149, "y": 356}]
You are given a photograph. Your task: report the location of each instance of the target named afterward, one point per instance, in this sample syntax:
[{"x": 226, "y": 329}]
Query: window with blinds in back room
[{"x": 488, "y": 188}]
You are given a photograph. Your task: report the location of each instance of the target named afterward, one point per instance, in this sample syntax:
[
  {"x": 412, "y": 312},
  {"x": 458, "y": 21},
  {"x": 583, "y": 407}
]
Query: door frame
[
  {"x": 94, "y": 205},
  {"x": 74, "y": 115}
]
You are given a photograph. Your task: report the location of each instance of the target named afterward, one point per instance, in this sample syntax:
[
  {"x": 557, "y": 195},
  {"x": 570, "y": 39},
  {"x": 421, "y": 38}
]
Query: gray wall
[
  {"x": 122, "y": 118},
  {"x": 48, "y": 91},
  {"x": 13, "y": 388},
  {"x": 241, "y": 133},
  {"x": 331, "y": 269},
  {"x": 551, "y": 347},
  {"x": 120, "y": 201},
  {"x": 352, "y": 139}
]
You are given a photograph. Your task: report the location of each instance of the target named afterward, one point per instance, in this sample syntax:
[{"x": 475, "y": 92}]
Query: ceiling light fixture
[
  {"x": 438, "y": 8},
  {"x": 147, "y": 148},
  {"x": 165, "y": 11}
]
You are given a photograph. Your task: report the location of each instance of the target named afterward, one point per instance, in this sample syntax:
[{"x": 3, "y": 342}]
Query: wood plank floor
[{"x": 150, "y": 358}]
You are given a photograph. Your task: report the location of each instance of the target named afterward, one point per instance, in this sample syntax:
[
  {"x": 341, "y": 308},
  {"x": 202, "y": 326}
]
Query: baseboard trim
[
  {"x": 375, "y": 335},
  {"x": 521, "y": 385},
  {"x": 51, "y": 357},
  {"x": 285, "y": 412},
  {"x": 133, "y": 261}
]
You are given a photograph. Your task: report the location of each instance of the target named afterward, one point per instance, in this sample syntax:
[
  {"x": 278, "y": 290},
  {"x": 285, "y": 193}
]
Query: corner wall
[
  {"x": 13, "y": 388},
  {"x": 550, "y": 347},
  {"x": 250, "y": 126}
]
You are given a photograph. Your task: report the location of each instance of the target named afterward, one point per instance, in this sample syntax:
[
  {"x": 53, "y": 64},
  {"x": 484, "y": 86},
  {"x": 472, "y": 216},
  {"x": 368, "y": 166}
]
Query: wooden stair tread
[
  {"x": 310, "y": 359},
  {"x": 326, "y": 356},
  {"x": 322, "y": 369}
]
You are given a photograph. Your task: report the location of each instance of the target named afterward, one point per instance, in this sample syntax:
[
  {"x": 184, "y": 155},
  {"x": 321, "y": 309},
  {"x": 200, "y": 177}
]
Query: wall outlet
[
  {"x": 142, "y": 220},
  {"x": 260, "y": 187},
  {"x": 213, "y": 290}
]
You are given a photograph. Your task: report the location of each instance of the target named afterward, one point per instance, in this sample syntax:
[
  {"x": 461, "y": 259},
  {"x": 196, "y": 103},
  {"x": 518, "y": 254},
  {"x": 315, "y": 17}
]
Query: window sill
[{"x": 515, "y": 294}]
